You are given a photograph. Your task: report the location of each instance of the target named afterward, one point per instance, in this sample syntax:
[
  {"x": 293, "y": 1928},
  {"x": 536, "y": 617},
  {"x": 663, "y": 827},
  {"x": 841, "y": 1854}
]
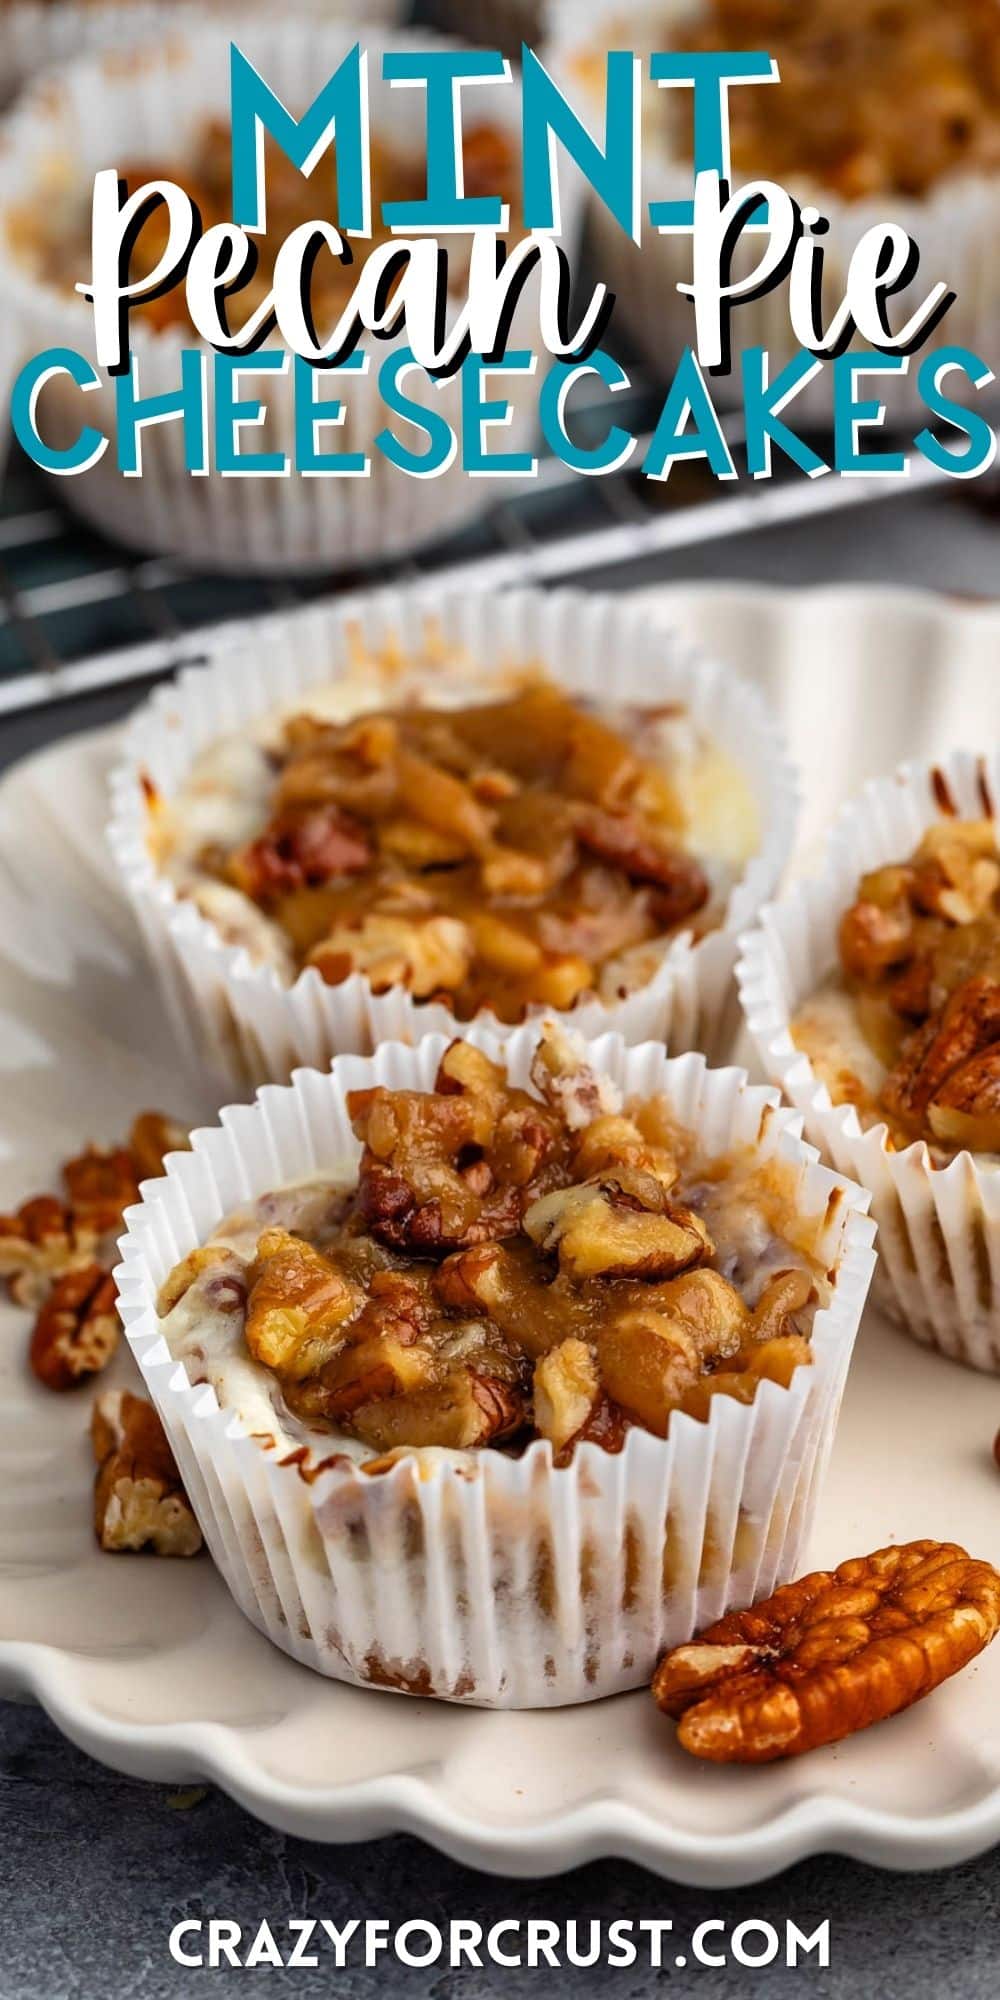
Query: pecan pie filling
[
  {"x": 876, "y": 96},
  {"x": 920, "y": 964},
  {"x": 513, "y": 852},
  {"x": 510, "y": 1264}
]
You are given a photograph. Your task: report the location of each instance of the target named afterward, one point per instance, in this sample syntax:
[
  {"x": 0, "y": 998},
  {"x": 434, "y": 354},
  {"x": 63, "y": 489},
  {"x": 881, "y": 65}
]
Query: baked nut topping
[
  {"x": 831, "y": 1654},
  {"x": 139, "y": 1502},
  {"x": 57, "y": 1252},
  {"x": 876, "y": 97},
  {"x": 920, "y": 958},
  {"x": 519, "y": 851},
  {"x": 475, "y": 1287}
]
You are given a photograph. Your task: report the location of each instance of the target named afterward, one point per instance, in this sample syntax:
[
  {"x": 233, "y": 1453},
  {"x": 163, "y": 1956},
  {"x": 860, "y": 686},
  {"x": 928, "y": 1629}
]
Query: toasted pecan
[
  {"x": 139, "y": 1502},
  {"x": 77, "y": 1331},
  {"x": 830, "y": 1654}
]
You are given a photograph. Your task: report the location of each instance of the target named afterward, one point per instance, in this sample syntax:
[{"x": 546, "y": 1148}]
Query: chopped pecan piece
[
  {"x": 565, "y": 1078},
  {"x": 152, "y": 1137},
  {"x": 653, "y": 1356},
  {"x": 139, "y": 1502},
  {"x": 681, "y": 885},
  {"x": 831, "y": 1654},
  {"x": 873, "y": 939},
  {"x": 56, "y": 1254},
  {"x": 620, "y": 1227},
  {"x": 297, "y": 1307},
  {"x": 228, "y": 1291},
  {"x": 467, "y": 1409},
  {"x": 36, "y": 1245},
  {"x": 454, "y": 1167},
  {"x": 784, "y": 1295},
  {"x": 567, "y": 1386},
  {"x": 301, "y": 850},
  {"x": 613, "y": 1140},
  {"x": 649, "y": 1362},
  {"x": 76, "y": 1332},
  {"x": 371, "y": 1371},
  {"x": 957, "y": 871},
  {"x": 379, "y": 1355},
  {"x": 100, "y": 1186},
  {"x": 427, "y": 955},
  {"x": 498, "y": 1282}
]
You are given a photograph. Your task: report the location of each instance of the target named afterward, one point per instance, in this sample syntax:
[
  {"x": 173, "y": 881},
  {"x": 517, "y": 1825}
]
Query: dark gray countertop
[{"x": 96, "y": 1868}]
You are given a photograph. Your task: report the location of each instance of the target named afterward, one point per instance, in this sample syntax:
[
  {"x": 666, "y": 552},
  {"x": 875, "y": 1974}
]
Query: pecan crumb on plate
[
  {"x": 139, "y": 1502},
  {"x": 830, "y": 1654},
  {"x": 57, "y": 1251}
]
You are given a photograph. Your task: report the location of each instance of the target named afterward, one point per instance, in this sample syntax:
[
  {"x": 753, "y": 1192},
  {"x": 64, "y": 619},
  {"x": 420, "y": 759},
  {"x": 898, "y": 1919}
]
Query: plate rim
[{"x": 370, "y": 1808}]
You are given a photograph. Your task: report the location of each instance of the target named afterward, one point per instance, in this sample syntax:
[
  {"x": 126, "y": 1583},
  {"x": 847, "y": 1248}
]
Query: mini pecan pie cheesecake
[
  {"x": 498, "y": 1361},
  {"x": 908, "y": 1031},
  {"x": 873, "y": 995},
  {"x": 492, "y": 854},
  {"x": 380, "y": 822}
]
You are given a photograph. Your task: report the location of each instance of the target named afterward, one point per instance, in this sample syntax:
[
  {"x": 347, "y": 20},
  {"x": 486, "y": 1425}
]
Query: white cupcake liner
[
  {"x": 251, "y": 1027},
  {"x": 149, "y": 102},
  {"x": 473, "y": 1576},
  {"x": 34, "y": 35},
  {"x": 939, "y": 1227},
  {"x": 956, "y": 227}
]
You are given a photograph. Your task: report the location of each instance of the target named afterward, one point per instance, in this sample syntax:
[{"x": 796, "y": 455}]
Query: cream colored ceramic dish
[{"x": 149, "y": 1665}]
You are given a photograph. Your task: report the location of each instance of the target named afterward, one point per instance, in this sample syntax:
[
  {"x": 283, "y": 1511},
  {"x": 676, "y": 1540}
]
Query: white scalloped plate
[{"x": 149, "y": 1666}]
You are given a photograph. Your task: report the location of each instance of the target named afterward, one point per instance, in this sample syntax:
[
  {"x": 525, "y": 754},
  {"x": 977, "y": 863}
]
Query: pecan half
[
  {"x": 36, "y": 1245},
  {"x": 76, "y": 1332},
  {"x": 139, "y": 1502},
  {"x": 938, "y": 1062},
  {"x": 831, "y": 1654}
]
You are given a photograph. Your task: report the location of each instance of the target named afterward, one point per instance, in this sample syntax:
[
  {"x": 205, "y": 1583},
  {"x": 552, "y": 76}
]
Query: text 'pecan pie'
[{"x": 52, "y": 231}]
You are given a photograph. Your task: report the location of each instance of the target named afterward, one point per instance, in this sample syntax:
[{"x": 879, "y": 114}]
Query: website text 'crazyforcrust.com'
[{"x": 512, "y": 1941}]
